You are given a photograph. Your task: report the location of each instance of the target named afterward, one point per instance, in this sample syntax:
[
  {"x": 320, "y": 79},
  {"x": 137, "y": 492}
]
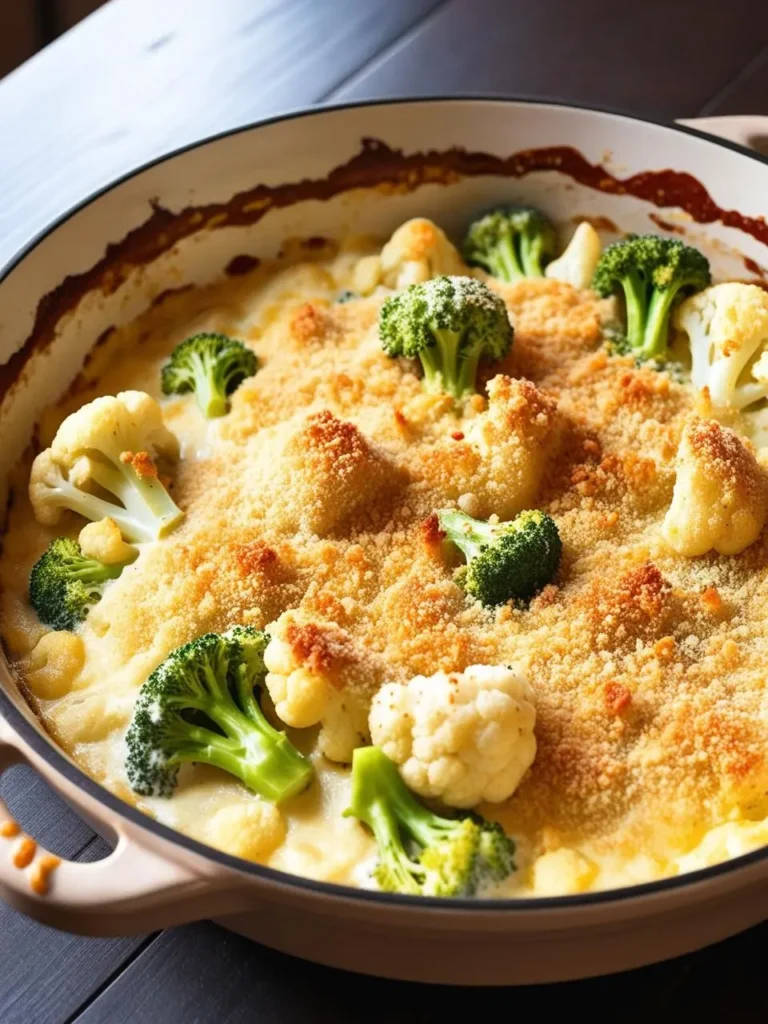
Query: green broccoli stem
[
  {"x": 471, "y": 536},
  {"x": 448, "y": 345},
  {"x": 382, "y": 800},
  {"x": 657, "y": 321},
  {"x": 532, "y": 255},
  {"x": 648, "y": 317},
  {"x": 504, "y": 260},
  {"x": 636, "y": 306},
  {"x": 379, "y": 815},
  {"x": 264, "y": 758},
  {"x": 88, "y": 571},
  {"x": 209, "y": 394},
  {"x": 468, "y": 365},
  {"x": 446, "y": 367},
  {"x": 95, "y": 574},
  {"x": 433, "y": 374}
]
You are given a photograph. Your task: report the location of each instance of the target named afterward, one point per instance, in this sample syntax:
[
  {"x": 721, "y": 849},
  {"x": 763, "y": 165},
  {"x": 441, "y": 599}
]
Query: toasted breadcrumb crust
[{"x": 318, "y": 491}]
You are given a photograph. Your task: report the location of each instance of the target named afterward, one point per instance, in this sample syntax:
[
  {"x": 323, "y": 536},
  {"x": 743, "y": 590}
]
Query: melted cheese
[{"x": 648, "y": 668}]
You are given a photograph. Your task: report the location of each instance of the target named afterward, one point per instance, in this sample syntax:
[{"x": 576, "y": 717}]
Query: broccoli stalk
[
  {"x": 210, "y": 365},
  {"x": 650, "y": 272},
  {"x": 199, "y": 706},
  {"x": 422, "y": 853},
  {"x": 448, "y": 323},
  {"x": 511, "y": 242},
  {"x": 64, "y": 585},
  {"x": 504, "y": 560}
]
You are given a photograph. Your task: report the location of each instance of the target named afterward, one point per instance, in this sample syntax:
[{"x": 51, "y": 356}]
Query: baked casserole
[{"x": 439, "y": 570}]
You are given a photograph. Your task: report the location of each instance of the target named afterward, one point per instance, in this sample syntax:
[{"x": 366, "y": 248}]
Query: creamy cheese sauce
[{"x": 604, "y": 804}]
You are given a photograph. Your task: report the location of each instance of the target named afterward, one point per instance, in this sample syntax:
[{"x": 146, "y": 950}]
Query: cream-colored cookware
[{"x": 183, "y": 220}]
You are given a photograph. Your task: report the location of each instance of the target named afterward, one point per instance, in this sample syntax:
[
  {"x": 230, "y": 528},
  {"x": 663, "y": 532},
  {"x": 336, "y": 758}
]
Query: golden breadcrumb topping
[{"x": 316, "y": 495}]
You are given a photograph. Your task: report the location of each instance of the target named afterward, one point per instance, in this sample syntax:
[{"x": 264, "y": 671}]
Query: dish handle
[
  {"x": 749, "y": 130},
  {"x": 132, "y": 890}
]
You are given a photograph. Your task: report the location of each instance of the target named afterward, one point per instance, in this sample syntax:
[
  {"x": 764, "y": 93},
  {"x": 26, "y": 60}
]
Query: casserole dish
[{"x": 216, "y": 208}]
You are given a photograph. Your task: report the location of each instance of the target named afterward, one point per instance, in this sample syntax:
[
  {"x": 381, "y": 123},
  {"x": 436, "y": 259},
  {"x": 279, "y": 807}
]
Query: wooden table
[{"x": 142, "y": 76}]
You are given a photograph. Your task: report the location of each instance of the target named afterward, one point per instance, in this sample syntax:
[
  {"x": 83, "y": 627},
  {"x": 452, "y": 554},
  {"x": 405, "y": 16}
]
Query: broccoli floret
[
  {"x": 511, "y": 242},
  {"x": 651, "y": 272},
  {"x": 504, "y": 560},
  {"x": 199, "y": 705},
  {"x": 448, "y": 323},
  {"x": 211, "y": 365},
  {"x": 419, "y": 852},
  {"x": 64, "y": 585}
]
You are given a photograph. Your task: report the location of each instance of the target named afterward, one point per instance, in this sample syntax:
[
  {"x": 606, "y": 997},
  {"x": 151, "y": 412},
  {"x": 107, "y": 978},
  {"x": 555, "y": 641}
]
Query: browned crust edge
[{"x": 376, "y": 166}]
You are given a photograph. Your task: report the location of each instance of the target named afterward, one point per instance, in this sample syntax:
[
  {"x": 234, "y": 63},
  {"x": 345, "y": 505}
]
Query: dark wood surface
[{"x": 141, "y": 76}]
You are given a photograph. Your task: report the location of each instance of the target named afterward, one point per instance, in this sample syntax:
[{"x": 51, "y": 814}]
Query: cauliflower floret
[
  {"x": 727, "y": 326},
  {"x": 461, "y": 737},
  {"x": 576, "y": 265},
  {"x": 104, "y": 542},
  {"x": 417, "y": 251},
  {"x": 45, "y": 480},
  {"x": 87, "y": 716},
  {"x": 52, "y": 667},
  {"x": 367, "y": 275},
  {"x": 112, "y": 443},
  {"x": 720, "y": 499},
  {"x": 312, "y": 324},
  {"x": 251, "y": 830},
  {"x": 327, "y": 470},
  {"x": 500, "y": 463},
  {"x": 724, "y": 842},
  {"x": 515, "y": 438},
  {"x": 562, "y": 872},
  {"x": 131, "y": 422},
  {"x": 314, "y": 676}
]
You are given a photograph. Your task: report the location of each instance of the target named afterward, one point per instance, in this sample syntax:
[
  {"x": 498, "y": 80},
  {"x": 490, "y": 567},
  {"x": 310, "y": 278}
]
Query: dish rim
[{"x": 45, "y": 746}]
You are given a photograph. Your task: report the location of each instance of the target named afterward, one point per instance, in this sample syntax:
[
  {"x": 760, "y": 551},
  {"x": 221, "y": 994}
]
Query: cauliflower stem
[
  {"x": 148, "y": 509},
  {"x": 422, "y": 853}
]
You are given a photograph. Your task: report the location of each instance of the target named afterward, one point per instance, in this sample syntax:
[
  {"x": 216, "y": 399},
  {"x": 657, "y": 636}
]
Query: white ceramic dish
[{"x": 176, "y": 222}]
